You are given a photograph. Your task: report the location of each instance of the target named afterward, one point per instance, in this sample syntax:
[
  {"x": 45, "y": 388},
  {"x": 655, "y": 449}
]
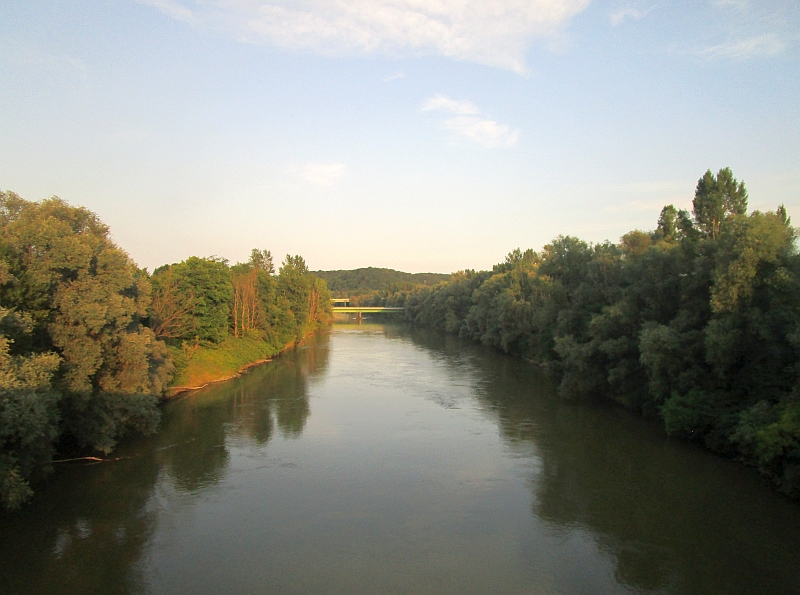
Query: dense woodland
[
  {"x": 696, "y": 323},
  {"x": 372, "y": 286},
  {"x": 89, "y": 342}
]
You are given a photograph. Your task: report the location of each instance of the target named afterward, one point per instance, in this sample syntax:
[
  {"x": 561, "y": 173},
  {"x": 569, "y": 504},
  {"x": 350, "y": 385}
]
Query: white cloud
[
  {"x": 394, "y": 77},
  {"x": 761, "y": 45},
  {"x": 467, "y": 123},
  {"x": 624, "y": 14},
  {"x": 494, "y": 33},
  {"x": 485, "y": 132},
  {"x": 442, "y": 102},
  {"x": 324, "y": 174}
]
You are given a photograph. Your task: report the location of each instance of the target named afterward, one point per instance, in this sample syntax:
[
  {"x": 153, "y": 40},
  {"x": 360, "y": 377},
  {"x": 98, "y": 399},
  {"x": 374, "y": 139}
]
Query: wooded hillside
[{"x": 359, "y": 281}]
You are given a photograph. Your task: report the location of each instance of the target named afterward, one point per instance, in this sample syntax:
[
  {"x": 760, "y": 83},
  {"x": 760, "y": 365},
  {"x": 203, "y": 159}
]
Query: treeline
[
  {"x": 696, "y": 323},
  {"x": 89, "y": 342},
  {"x": 203, "y": 301},
  {"x": 372, "y": 286}
]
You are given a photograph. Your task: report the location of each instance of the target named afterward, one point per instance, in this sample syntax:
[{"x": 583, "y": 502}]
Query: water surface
[{"x": 376, "y": 460}]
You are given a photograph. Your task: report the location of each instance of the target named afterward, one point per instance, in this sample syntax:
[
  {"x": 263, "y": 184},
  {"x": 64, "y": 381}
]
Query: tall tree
[
  {"x": 171, "y": 308},
  {"x": 262, "y": 260},
  {"x": 85, "y": 301},
  {"x": 667, "y": 228},
  {"x": 247, "y": 315},
  {"x": 716, "y": 198},
  {"x": 207, "y": 282}
]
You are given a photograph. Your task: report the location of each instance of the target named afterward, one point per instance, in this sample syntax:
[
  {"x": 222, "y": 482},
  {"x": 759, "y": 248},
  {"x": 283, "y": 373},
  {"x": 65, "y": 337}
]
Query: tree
[
  {"x": 84, "y": 302},
  {"x": 634, "y": 243},
  {"x": 170, "y": 309},
  {"x": 262, "y": 261},
  {"x": 85, "y": 297},
  {"x": 716, "y": 198},
  {"x": 303, "y": 296},
  {"x": 28, "y": 412},
  {"x": 207, "y": 282},
  {"x": 247, "y": 313},
  {"x": 697, "y": 322},
  {"x": 667, "y": 228}
]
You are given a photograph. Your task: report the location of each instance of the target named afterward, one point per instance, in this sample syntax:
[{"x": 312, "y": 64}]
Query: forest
[
  {"x": 371, "y": 286},
  {"x": 696, "y": 323},
  {"x": 90, "y": 343}
]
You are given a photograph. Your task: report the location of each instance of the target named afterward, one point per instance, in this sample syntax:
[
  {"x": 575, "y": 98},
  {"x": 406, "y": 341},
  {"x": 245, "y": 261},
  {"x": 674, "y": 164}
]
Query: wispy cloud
[
  {"x": 485, "y": 132},
  {"x": 768, "y": 44},
  {"x": 172, "y": 9},
  {"x": 394, "y": 77},
  {"x": 739, "y": 4},
  {"x": 60, "y": 63},
  {"x": 624, "y": 14},
  {"x": 646, "y": 196},
  {"x": 442, "y": 102},
  {"x": 324, "y": 174},
  {"x": 494, "y": 33},
  {"x": 466, "y": 122},
  {"x": 746, "y": 30}
]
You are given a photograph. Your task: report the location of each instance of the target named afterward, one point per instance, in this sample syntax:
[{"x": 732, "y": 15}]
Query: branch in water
[{"x": 94, "y": 459}]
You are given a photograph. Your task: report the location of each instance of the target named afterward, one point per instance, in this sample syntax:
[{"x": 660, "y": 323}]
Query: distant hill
[{"x": 370, "y": 279}]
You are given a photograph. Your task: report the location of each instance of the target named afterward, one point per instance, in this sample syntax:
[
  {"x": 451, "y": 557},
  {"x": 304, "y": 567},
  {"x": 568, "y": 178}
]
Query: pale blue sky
[{"x": 422, "y": 135}]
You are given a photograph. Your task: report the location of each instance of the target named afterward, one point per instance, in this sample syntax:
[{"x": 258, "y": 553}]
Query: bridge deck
[{"x": 365, "y": 309}]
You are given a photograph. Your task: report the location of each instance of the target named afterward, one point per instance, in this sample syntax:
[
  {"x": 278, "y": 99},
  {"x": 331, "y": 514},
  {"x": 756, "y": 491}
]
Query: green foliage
[
  {"x": 750, "y": 249},
  {"x": 359, "y": 281},
  {"x": 304, "y": 297},
  {"x": 770, "y": 435},
  {"x": 667, "y": 229},
  {"x": 205, "y": 283},
  {"x": 692, "y": 414},
  {"x": 635, "y": 243},
  {"x": 697, "y": 322},
  {"x": 377, "y": 287},
  {"x": 82, "y": 362},
  {"x": 98, "y": 420},
  {"x": 79, "y": 304},
  {"x": 716, "y": 198},
  {"x": 262, "y": 260},
  {"x": 28, "y": 415}
]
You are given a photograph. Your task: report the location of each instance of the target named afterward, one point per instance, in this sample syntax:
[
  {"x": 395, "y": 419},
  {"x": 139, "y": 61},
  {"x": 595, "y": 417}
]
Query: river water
[{"x": 380, "y": 460}]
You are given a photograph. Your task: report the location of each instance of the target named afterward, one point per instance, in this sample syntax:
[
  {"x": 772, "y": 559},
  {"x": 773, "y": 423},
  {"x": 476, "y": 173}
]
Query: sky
[{"x": 419, "y": 135}]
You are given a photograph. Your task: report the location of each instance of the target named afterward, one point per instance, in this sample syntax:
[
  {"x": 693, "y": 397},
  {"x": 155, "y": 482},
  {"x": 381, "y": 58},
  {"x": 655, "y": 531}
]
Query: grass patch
[{"x": 209, "y": 363}]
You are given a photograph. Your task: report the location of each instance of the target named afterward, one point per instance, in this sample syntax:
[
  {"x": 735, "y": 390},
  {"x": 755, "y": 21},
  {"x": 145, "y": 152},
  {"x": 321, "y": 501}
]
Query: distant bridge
[
  {"x": 343, "y": 305},
  {"x": 365, "y": 309}
]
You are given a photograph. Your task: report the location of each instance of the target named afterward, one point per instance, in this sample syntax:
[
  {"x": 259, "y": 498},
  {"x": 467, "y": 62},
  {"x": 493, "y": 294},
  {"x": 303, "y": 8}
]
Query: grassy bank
[{"x": 196, "y": 366}]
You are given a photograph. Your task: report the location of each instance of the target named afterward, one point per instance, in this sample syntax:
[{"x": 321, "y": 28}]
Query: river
[{"x": 381, "y": 460}]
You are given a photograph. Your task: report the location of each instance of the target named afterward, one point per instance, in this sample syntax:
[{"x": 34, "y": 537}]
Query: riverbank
[{"x": 198, "y": 366}]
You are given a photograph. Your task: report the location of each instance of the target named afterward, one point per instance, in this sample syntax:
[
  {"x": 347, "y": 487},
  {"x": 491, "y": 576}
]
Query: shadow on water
[
  {"x": 674, "y": 518},
  {"x": 89, "y": 526}
]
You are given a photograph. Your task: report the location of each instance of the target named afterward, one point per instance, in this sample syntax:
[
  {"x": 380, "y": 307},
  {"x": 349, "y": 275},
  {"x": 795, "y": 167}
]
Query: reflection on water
[
  {"x": 89, "y": 526},
  {"x": 379, "y": 460},
  {"x": 675, "y": 519}
]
